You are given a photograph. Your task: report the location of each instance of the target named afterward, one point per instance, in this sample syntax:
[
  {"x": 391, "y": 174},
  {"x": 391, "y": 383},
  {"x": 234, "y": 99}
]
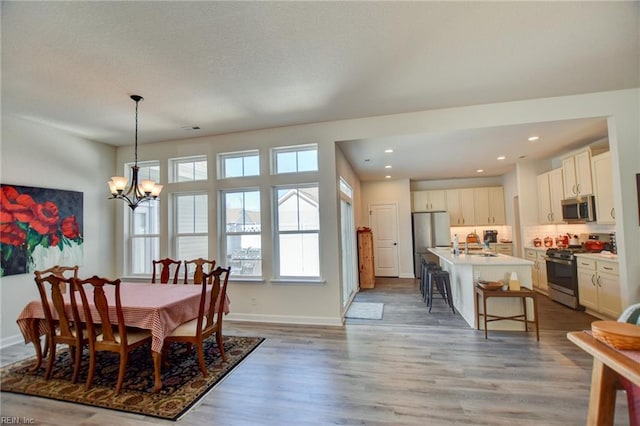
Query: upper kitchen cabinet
[
  {"x": 429, "y": 201},
  {"x": 550, "y": 194},
  {"x": 603, "y": 188},
  {"x": 576, "y": 172},
  {"x": 460, "y": 206},
  {"x": 489, "y": 206}
]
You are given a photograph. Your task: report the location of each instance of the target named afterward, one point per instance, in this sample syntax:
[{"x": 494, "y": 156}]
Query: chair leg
[
  {"x": 123, "y": 369},
  {"x": 203, "y": 366},
  {"x": 50, "y": 360},
  {"x": 221, "y": 346},
  {"x": 76, "y": 363},
  {"x": 92, "y": 368}
]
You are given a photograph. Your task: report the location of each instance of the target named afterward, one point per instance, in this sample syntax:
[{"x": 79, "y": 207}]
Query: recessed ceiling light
[
  {"x": 502, "y": 157},
  {"x": 480, "y": 171},
  {"x": 533, "y": 138},
  {"x": 387, "y": 166},
  {"x": 388, "y": 151},
  {"x": 388, "y": 176}
]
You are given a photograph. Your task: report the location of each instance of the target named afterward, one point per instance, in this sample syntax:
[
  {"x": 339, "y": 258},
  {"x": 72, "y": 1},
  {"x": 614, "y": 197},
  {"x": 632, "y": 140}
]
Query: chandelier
[{"x": 138, "y": 191}]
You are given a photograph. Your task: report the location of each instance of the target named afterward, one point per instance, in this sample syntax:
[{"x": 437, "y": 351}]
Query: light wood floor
[{"x": 410, "y": 368}]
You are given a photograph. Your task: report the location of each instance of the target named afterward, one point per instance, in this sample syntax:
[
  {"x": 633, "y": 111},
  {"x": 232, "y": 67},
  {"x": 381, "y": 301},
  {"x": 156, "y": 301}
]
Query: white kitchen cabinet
[
  {"x": 576, "y": 173},
  {"x": 429, "y": 201},
  {"x": 489, "y": 206},
  {"x": 539, "y": 269},
  {"x": 603, "y": 188},
  {"x": 599, "y": 287},
  {"x": 460, "y": 206},
  {"x": 504, "y": 248},
  {"x": 550, "y": 194}
]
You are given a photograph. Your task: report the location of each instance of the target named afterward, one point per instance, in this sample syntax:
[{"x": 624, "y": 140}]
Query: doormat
[
  {"x": 183, "y": 383},
  {"x": 365, "y": 310}
]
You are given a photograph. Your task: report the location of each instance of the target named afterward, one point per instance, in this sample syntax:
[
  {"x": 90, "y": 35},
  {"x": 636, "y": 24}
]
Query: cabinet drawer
[
  {"x": 585, "y": 263},
  {"x": 530, "y": 254},
  {"x": 608, "y": 268}
]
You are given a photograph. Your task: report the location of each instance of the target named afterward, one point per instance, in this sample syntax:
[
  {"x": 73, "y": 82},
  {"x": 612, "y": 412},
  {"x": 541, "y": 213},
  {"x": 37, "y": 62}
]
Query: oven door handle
[{"x": 560, "y": 261}]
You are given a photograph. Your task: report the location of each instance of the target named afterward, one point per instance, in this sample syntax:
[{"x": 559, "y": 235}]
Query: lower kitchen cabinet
[
  {"x": 539, "y": 269},
  {"x": 504, "y": 248},
  {"x": 599, "y": 287}
]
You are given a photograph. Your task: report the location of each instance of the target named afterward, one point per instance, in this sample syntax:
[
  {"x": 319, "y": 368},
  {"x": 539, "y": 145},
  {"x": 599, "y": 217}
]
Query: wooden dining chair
[
  {"x": 62, "y": 328},
  {"x": 104, "y": 333},
  {"x": 166, "y": 267},
  {"x": 59, "y": 271},
  {"x": 198, "y": 273},
  {"x": 209, "y": 320}
]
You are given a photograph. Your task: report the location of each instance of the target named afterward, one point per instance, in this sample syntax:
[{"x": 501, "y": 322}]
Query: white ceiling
[{"x": 234, "y": 66}]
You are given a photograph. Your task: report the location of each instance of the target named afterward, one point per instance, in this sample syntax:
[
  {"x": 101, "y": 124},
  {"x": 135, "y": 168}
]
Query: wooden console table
[
  {"x": 610, "y": 367},
  {"x": 522, "y": 293}
]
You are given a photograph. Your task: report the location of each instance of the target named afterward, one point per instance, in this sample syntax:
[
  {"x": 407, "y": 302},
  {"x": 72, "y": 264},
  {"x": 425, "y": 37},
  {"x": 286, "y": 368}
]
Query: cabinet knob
[
  {"x": 613, "y": 213},
  {"x": 593, "y": 280},
  {"x": 598, "y": 281}
]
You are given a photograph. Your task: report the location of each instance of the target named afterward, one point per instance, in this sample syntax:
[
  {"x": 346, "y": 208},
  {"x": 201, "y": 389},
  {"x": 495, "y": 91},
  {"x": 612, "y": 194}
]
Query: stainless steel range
[{"x": 562, "y": 275}]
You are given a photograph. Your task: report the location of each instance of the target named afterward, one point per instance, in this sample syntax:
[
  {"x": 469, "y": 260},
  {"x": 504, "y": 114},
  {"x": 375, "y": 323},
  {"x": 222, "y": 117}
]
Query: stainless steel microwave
[{"x": 579, "y": 209}]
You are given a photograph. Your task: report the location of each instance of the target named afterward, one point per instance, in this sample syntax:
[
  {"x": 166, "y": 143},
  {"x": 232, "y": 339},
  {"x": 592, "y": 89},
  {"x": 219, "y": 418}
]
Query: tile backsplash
[
  {"x": 504, "y": 232},
  {"x": 581, "y": 230}
]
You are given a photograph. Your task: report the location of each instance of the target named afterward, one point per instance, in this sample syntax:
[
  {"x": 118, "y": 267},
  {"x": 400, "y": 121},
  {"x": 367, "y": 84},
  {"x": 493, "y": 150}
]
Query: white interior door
[{"x": 383, "y": 221}]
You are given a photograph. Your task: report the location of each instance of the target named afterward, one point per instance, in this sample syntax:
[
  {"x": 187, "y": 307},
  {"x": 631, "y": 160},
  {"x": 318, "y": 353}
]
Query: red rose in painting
[
  {"x": 70, "y": 228},
  {"x": 12, "y": 234},
  {"x": 45, "y": 218},
  {"x": 53, "y": 239},
  {"x": 19, "y": 205}
]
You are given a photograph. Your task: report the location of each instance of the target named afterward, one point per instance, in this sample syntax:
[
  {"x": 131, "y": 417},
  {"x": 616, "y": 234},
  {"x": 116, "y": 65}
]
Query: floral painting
[{"x": 39, "y": 228}]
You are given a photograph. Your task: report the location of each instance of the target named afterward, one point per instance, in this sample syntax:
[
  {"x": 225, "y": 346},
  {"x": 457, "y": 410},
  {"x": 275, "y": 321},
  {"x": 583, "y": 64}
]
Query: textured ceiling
[{"x": 234, "y": 66}]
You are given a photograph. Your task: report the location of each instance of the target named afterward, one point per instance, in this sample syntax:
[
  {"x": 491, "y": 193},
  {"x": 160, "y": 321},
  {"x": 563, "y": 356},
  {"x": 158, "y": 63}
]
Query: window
[
  {"x": 190, "y": 213},
  {"x": 242, "y": 227},
  {"x": 238, "y": 164},
  {"x": 295, "y": 159},
  {"x": 298, "y": 231},
  {"x": 189, "y": 169},
  {"x": 144, "y": 224}
]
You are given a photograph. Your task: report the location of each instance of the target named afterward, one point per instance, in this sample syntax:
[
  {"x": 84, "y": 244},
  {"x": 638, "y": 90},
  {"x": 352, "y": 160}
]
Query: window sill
[
  {"x": 295, "y": 281},
  {"x": 246, "y": 280}
]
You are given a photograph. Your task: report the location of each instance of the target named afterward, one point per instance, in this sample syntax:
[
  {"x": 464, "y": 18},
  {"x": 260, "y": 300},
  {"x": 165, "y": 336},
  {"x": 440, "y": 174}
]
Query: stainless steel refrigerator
[{"x": 429, "y": 230}]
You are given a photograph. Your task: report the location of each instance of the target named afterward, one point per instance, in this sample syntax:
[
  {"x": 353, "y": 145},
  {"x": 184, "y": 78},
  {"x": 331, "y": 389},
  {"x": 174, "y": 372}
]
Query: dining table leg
[
  {"x": 34, "y": 336},
  {"x": 602, "y": 400},
  {"x": 157, "y": 358}
]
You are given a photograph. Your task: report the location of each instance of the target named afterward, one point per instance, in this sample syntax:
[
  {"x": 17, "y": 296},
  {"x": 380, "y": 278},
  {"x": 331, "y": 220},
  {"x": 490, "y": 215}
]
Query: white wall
[{"x": 34, "y": 155}]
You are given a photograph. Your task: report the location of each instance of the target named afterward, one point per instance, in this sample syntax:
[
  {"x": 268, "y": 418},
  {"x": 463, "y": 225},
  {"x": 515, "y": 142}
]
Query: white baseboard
[
  {"x": 11, "y": 340},
  {"x": 407, "y": 276},
  {"x": 285, "y": 319}
]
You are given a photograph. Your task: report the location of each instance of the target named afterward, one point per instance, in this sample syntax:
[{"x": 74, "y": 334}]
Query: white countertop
[
  {"x": 475, "y": 259},
  {"x": 599, "y": 256}
]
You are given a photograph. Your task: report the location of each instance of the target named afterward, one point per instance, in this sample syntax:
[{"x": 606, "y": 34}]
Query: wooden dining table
[
  {"x": 159, "y": 308},
  {"x": 612, "y": 369}
]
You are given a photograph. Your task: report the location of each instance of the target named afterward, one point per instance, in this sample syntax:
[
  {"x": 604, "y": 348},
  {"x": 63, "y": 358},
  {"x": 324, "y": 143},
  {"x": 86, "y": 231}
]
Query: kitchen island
[{"x": 466, "y": 269}]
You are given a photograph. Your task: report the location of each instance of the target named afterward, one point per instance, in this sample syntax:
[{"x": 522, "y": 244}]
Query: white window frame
[
  {"x": 131, "y": 236},
  {"x": 176, "y": 233},
  {"x": 238, "y": 154},
  {"x": 224, "y": 233},
  {"x": 276, "y": 240},
  {"x": 175, "y": 162},
  {"x": 296, "y": 149}
]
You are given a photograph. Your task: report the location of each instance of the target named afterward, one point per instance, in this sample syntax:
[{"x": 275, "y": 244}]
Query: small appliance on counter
[
  {"x": 598, "y": 242},
  {"x": 490, "y": 235},
  {"x": 612, "y": 241},
  {"x": 537, "y": 242},
  {"x": 548, "y": 242},
  {"x": 473, "y": 238}
]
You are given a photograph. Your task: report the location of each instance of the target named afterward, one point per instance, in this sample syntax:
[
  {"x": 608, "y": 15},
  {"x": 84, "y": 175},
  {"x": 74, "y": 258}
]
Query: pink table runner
[{"x": 155, "y": 307}]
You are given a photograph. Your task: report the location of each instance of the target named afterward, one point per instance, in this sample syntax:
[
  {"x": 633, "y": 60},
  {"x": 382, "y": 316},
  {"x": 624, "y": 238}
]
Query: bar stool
[
  {"x": 425, "y": 267},
  {"x": 443, "y": 283},
  {"x": 425, "y": 278}
]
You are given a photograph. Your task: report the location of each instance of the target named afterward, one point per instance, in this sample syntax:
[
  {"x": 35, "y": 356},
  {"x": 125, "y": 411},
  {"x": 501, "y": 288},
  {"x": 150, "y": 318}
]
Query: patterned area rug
[
  {"x": 182, "y": 379},
  {"x": 365, "y": 310}
]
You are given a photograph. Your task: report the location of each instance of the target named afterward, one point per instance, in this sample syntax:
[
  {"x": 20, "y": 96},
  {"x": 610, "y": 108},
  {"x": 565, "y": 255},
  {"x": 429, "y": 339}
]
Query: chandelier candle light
[{"x": 137, "y": 192}]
